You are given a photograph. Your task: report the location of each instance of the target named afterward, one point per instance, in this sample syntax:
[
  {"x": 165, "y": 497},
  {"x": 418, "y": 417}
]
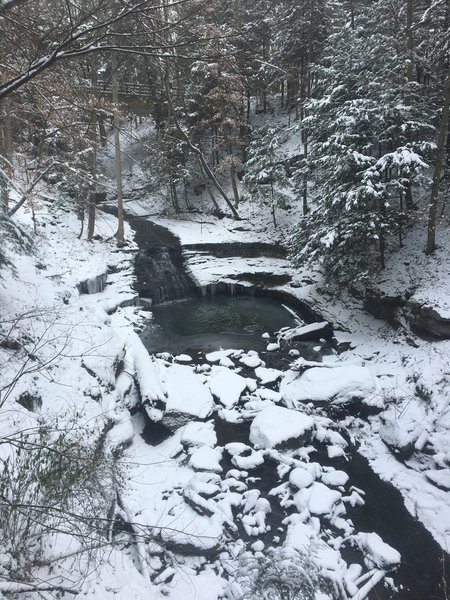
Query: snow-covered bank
[{"x": 60, "y": 350}]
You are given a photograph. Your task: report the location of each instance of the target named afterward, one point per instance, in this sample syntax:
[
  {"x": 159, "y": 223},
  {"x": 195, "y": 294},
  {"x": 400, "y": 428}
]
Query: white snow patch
[{"x": 276, "y": 425}]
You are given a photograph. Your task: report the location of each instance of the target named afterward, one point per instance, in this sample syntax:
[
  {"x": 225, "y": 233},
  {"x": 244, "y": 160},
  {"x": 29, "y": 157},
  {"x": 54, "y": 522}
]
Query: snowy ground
[{"x": 198, "y": 521}]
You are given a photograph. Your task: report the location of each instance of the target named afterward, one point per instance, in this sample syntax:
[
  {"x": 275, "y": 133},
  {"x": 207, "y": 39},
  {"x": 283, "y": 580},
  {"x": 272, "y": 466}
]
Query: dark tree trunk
[{"x": 432, "y": 215}]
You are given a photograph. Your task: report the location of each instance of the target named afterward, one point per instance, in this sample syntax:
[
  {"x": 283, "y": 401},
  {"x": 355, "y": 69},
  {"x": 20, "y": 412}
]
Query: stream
[{"x": 185, "y": 322}]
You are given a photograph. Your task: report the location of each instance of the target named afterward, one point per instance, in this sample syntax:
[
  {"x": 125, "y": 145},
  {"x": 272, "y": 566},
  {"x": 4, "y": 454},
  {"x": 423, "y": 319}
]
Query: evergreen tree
[
  {"x": 265, "y": 175},
  {"x": 369, "y": 132}
]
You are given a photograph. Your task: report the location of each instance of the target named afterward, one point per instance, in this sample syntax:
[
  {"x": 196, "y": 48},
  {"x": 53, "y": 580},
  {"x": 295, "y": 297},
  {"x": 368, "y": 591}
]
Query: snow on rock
[
  {"x": 218, "y": 355},
  {"x": 258, "y": 546},
  {"x": 243, "y": 456},
  {"x": 153, "y": 395},
  {"x": 206, "y": 458},
  {"x": 440, "y": 478},
  {"x": 266, "y": 394},
  {"x": 377, "y": 553},
  {"x": 272, "y": 347},
  {"x": 237, "y": 448},
  {"x": 318, "y": 499},
  {"x": 318, "y": 384},
  {"x": 313, "y": 331},
  {"x": 205, "y": 484},
  {"x": 251, "y": 359},
  {"x": 248, "y": 462},
  {"x": 266, "y": 375},
  {"x": 227, "y": 385},
  {"x": 255, "y": 510},
  {"x": 183, "y": 358},
  {"x": 299, "y": 535},
  {"x": 334, "y": 478},
  {"x": 199, "y": 434},
  {"x": 187, "y": 393},
  {"x": 334, "y": 451},
  {"x": 277, "y": 425},
  {"x": 300, "y": 478},
  {"x": 402, "y": 425}
]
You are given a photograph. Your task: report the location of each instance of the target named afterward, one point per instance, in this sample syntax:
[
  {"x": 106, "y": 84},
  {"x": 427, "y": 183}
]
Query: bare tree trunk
[
  {"x": 432, "y": 214},
  {"x": 5, "y": 151},
  {"x": 92, "y": 135},
  {"x": 410, "y": 39},
  {"x": 409, "y": 201},
  {"x": 208, "y": 188},
  {"x": 120, "y": 235},
  {"x": 201, "y": 158},
  {"x": 234, "y": 186}
]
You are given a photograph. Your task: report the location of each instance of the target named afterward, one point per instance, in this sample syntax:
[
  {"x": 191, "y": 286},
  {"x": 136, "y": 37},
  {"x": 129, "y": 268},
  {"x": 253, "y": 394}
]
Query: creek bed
[{"x": 200, "y": 325}]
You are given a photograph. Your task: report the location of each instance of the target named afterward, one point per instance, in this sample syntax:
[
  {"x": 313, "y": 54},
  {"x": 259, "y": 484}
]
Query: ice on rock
[
  {"x": 266, "y": 375},
  {"x": 300, "y": 478},
  {"x": 377, "y": 553},
  {"x": 265, "y": 335},
  {"x": 227, "y": 386},
  {"x": 277, "y": 425},
  {"x": 299, "y": 535},
  {"x": 187, "y": 393},
  {"x": 319, "y": 384},
  {"x": 318, "y": 499},
  {"x": 206, "y": 459},
  {"x": 199, "y": 434}
]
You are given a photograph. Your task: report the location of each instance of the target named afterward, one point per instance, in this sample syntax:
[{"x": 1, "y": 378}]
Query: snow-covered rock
[
  {"x": 313, "y": 331},
  {"x": 439, "y": 477},
  {"x": 187, "y": 393},
  {"x": 300, "y": 478},
  {"x": 206, "y": 459},
  {"x": 227, "y": 385},
  {"x": 199, "y": 434},
  {"x": 377, "y": 553},
  {"x": 276, "y": 425},
  {"x": 319, "y": 384},
  {"x": 318, "y": 499},
  {"x": 266, "y": 375},
  {"x": 251, "y": 359},
  {"x": 401, "y": 427}
]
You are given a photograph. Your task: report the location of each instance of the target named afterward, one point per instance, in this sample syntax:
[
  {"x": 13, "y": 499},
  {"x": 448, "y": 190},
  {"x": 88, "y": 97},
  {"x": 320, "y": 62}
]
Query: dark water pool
[{"x": 209, "y": 323}]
